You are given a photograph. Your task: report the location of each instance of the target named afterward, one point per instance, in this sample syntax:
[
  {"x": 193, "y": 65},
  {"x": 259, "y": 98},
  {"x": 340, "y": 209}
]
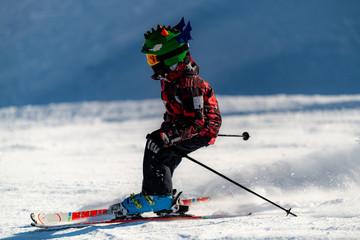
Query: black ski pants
[{"x": 158, "y": 169}]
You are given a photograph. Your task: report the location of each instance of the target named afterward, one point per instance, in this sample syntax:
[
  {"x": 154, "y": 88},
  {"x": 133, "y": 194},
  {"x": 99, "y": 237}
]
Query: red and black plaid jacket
[{"x": 190, "y": 102}]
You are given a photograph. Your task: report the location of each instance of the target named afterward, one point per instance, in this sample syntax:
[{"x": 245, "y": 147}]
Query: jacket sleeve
[
  {"x": 193, "y": 122},
  {"x": 190, "y": 120},
  {"x": 201, "y": 110},
  {"x": 194, "y": 110}
]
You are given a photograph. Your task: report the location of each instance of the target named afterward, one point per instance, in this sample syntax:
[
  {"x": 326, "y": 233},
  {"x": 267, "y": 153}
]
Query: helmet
[{"x": 167, "y": 45}]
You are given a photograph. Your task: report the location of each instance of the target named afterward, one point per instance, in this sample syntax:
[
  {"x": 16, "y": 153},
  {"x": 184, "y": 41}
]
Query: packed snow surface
[{"x": 303, "y": 154}]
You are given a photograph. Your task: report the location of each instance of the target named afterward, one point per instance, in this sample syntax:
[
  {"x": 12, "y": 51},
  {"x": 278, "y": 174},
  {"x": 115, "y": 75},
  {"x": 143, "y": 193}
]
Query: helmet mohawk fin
[
  {"x": 164, "y": 32},
  {"x": 184, "y": 36},
  {"x": 185, "y": 33},
  {"x": 180, "y": 26}
]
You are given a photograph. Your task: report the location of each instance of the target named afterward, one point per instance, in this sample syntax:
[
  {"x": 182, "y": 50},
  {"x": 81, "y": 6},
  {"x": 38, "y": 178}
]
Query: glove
[
  {"x": 156, "y": 141},
  {"x": 161, "y": 138},
  {"x": 171, "y": 132}
]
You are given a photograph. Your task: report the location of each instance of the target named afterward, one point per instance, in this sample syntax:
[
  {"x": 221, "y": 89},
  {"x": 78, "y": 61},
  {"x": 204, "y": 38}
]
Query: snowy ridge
[
  {"x": 68, "y": 112},
  {"x": 303, "y": 153},
  {"x": 282, "y": 102},
  {"x": 137, "y": 109}
]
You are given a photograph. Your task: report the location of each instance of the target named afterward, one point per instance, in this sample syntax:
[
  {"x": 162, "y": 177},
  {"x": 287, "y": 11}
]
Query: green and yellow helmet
[{"x": 167, "y": 44}]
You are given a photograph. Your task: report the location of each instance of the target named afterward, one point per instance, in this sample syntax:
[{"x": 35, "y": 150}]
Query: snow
[{"x": 303, "y": 153}]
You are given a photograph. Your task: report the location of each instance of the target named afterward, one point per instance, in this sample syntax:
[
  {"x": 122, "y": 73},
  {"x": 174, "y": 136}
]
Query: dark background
[{"x": 68, "y": 51}]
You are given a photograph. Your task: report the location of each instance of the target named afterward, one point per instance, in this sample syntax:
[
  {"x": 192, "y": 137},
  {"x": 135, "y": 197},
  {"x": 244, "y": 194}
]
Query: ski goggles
[
  {"x": 155, "y": 59},
  {"x": 152, "y": 59}
]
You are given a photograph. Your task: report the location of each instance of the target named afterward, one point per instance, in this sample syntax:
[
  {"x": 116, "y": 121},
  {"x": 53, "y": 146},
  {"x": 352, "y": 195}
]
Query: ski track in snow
[{"x": 303, "y": 153}]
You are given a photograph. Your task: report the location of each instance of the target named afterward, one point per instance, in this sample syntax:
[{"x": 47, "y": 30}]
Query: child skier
[{"x": 191, "y": 121}]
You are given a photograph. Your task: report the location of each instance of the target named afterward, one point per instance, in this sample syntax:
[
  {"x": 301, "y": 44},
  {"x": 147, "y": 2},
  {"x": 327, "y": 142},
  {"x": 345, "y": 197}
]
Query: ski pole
[
  {"x": 239, "y": 185},
  {"x": 245, "y": 135}
]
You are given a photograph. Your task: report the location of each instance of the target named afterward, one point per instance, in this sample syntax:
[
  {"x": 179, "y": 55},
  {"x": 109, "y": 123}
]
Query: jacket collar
[{"x": 186, "y": 67}]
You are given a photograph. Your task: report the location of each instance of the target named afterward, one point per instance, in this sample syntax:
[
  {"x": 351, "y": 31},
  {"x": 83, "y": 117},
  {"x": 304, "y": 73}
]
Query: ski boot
[
  {"x": 176, "y": 208},
  {"x": 136, "y": 204}
]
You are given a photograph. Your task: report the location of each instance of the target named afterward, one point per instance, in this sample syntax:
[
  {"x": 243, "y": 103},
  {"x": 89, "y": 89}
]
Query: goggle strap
[{"x": 173, "y": 53}]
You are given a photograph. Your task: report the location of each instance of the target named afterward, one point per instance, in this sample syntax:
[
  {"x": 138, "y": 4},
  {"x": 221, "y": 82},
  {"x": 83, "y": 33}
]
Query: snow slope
[{"x": 303, "y": 153}]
